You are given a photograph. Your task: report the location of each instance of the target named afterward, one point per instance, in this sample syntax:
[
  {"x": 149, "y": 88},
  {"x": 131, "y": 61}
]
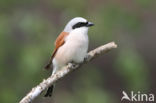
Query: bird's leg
[
  {"x": 73, "y": 63},
  {"x": 85, "y": 58},
  {"x": 49, "y": 91}
]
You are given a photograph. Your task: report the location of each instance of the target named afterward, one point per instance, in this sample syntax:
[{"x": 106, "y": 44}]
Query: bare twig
[{"x": 36, "y": 91}]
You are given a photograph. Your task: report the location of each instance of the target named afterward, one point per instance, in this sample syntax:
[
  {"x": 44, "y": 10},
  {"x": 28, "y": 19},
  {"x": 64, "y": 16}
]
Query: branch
[{"x": 36, "y": 91}]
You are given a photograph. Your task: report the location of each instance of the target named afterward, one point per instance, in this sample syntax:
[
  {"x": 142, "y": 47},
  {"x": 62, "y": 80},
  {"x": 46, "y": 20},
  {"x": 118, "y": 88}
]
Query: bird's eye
[{"x": 80, "y": 24}]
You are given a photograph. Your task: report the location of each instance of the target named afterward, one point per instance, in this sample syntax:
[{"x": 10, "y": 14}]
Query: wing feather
[{"x": 58, "y": 43}]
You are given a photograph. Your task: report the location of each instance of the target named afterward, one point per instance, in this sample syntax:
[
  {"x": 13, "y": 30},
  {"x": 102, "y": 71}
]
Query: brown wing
[{"x": 58, "y": 43}]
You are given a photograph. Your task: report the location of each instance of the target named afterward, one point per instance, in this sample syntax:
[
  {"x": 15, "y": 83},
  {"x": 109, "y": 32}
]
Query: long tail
[
  {"x": 49, "y": 91},
  {"x": 51, "y": 88}
]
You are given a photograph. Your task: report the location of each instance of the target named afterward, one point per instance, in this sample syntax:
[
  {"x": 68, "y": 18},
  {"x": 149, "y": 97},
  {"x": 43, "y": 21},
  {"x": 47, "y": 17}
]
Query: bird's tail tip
[{"x": 49, "y": 91}]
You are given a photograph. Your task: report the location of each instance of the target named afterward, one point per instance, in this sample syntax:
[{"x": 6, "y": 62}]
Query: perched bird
[{"x": 70, "y": 46}]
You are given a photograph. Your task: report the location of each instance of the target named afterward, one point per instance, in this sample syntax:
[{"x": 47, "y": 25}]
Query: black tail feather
[{"x": 49, "y": 91}]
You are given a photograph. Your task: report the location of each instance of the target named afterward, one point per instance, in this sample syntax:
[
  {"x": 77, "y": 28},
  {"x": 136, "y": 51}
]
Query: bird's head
[{"x": 77, "y": 23}]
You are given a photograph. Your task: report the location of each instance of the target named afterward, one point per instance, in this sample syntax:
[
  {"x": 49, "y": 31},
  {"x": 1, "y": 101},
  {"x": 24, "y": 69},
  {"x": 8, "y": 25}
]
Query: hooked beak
[{"x": 90, "y": 24}]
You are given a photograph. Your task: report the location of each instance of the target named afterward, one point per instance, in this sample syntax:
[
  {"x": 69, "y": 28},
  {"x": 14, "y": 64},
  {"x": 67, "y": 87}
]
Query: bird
[{"x": 71, "y": 46}]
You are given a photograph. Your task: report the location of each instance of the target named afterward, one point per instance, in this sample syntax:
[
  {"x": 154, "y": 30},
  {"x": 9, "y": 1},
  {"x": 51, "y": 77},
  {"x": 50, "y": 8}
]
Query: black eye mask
[{"x": 80, "y": 24}]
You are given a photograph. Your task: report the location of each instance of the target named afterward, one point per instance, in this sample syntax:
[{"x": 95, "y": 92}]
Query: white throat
[{"x": 82, "y": 30}]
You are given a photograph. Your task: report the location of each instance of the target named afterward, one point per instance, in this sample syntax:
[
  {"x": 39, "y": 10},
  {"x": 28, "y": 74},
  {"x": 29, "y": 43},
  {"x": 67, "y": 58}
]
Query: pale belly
[{"x": 71, "y": 51}]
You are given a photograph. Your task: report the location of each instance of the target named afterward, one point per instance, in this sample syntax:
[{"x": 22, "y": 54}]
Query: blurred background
[{"x": 28, "y": 29}]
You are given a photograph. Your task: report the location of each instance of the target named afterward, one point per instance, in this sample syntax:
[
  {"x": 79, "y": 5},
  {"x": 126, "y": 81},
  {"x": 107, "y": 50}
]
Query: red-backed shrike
[{"x": 70, "y": 46}]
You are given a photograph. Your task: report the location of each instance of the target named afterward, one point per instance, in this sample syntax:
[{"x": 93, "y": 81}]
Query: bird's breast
[{"x": 74, "y": 49}]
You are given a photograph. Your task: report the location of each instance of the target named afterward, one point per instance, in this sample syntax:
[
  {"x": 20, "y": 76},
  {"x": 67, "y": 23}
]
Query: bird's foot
[
  {"x": 85, "y": 58},
  {"x": 73, "y": 64}
]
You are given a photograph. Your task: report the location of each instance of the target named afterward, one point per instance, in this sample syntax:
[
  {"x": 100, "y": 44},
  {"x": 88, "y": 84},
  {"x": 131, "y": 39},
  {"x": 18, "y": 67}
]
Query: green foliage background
[{"x": 28, "y": 29}]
